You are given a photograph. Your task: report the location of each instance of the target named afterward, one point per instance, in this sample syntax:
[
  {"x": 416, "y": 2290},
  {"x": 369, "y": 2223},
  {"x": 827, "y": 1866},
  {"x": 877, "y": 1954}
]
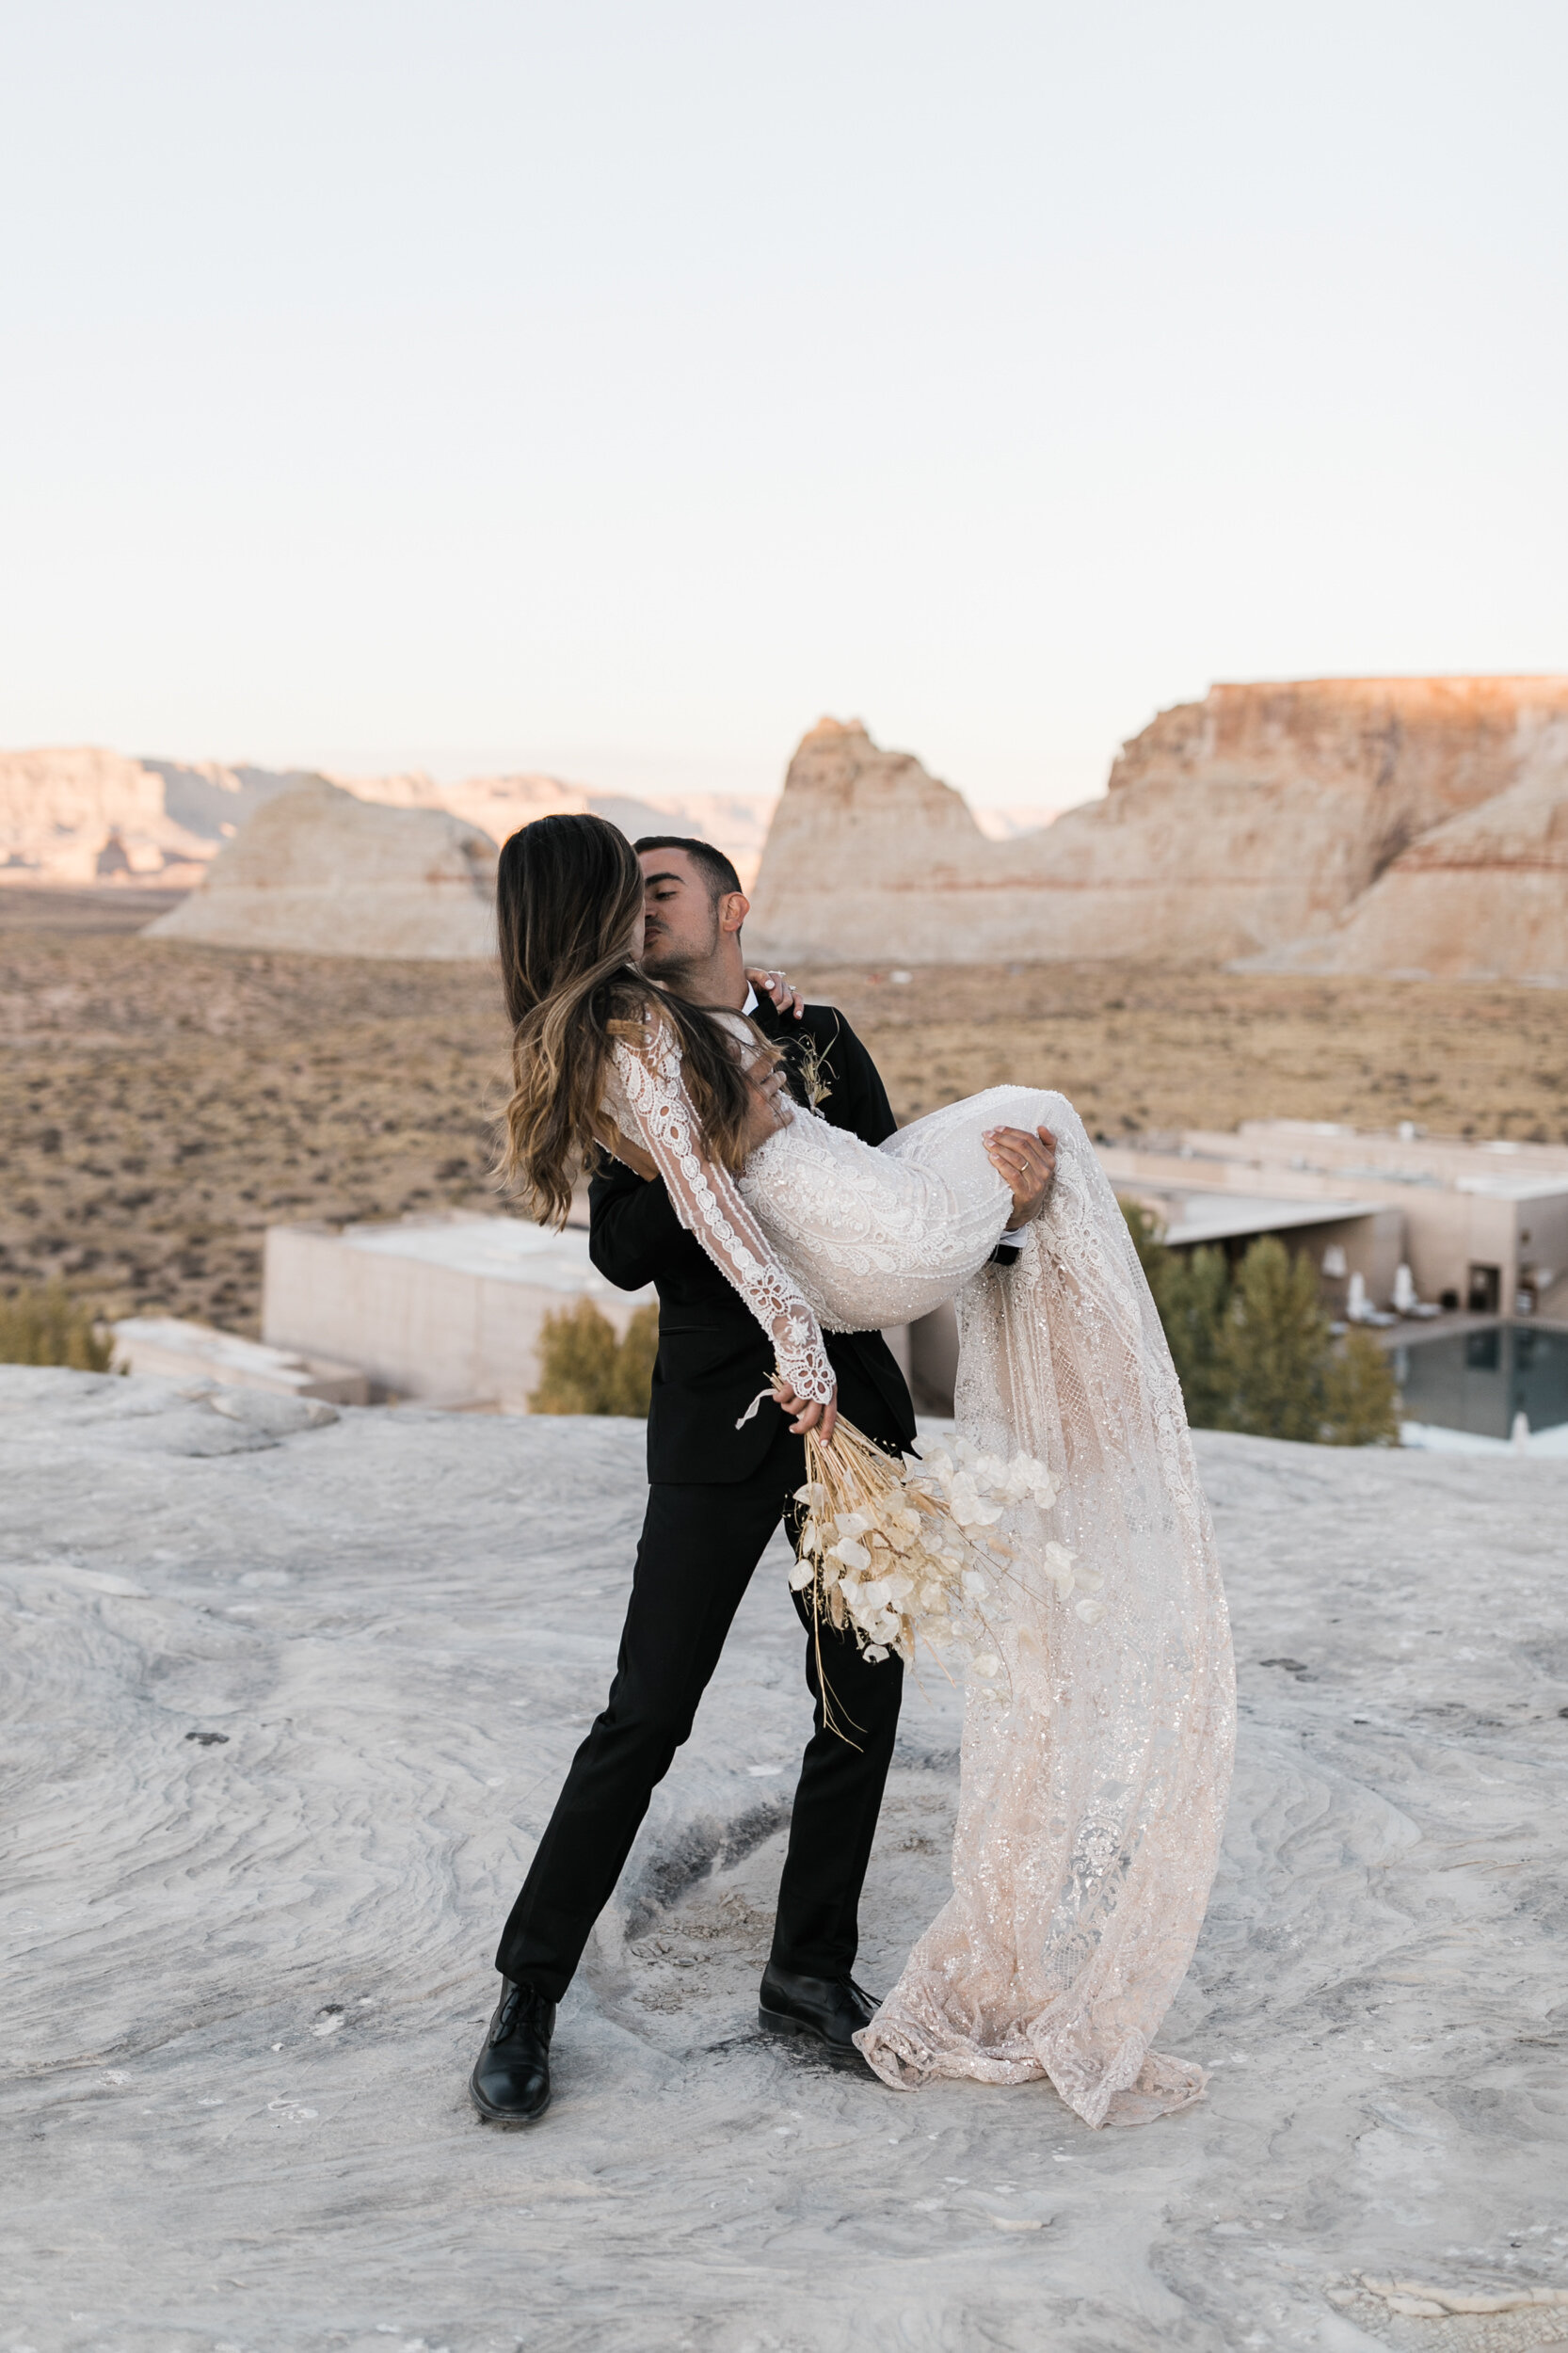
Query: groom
[{"x": 718, "y": 1485}]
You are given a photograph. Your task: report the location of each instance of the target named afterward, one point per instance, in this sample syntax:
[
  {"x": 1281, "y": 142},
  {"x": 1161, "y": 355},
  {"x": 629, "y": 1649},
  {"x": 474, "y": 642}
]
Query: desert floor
[
  {"x": 286, "y": 1708},
  {"x": 163, "y": 1104}
]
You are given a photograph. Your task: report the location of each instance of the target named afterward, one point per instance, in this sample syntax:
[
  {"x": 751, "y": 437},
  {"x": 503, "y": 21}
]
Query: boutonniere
[{"x": 810, "y": 1062}]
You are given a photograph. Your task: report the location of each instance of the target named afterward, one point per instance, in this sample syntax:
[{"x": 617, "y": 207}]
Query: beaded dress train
[{"x": 1096, "y": 1769}]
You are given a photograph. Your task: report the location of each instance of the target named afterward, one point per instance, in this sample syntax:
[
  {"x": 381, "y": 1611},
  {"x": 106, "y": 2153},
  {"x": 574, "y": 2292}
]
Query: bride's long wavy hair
[{"x": 569, "y": 892}]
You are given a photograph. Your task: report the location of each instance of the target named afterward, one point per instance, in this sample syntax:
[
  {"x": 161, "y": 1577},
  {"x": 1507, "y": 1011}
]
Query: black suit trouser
[{"x": 699, "y": 1546}]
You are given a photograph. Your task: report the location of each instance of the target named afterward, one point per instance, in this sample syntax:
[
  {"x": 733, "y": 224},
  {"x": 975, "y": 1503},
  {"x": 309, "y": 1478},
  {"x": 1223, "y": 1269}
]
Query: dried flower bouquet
[{"x": 905, "y": 1553}]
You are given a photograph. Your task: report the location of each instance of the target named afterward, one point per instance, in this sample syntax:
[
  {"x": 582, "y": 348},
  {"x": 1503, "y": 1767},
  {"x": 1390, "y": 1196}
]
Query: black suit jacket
[{"x": 714, "y": 1355}]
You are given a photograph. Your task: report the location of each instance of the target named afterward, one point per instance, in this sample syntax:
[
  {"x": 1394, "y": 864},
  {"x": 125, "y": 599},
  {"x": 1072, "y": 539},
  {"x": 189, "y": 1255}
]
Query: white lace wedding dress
[{"x": 1095, "y": 1774}]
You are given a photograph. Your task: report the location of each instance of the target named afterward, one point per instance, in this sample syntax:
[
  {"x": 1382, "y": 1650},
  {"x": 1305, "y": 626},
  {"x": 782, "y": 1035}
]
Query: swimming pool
[{"x": 1478, "y": 1381}]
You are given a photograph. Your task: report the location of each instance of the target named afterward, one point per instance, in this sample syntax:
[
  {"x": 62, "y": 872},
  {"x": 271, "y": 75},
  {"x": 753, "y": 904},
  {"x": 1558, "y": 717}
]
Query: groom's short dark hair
[{"x": 721, "y": 874}]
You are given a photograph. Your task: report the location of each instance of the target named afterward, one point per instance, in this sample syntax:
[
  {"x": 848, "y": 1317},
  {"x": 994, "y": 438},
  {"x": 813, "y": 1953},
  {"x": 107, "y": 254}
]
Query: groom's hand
[
  {"x": 1026, "y": 1163},
  {"x": 809, "y": 1412}
]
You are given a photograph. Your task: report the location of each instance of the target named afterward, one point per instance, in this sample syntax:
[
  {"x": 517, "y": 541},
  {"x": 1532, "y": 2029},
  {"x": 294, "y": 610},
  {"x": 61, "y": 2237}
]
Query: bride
[{"x": 1095, "y": 1773}]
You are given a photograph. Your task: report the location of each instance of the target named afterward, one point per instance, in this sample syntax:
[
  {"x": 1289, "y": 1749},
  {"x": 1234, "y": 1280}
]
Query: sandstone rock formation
[
  {"x": 323, "y": 872},
  {"x": 1232, "y": 827},
  {"x": 500, "y": 805},
  {"x": 1483, "y": 896},
  {"x": 82, "y": 815}
]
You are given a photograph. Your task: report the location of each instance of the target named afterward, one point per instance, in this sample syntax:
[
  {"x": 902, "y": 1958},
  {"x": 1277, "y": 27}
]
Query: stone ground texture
[{"x": 246, "y": 1975}]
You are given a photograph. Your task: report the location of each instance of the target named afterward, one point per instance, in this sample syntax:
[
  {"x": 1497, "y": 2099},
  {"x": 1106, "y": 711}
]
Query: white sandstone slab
[
  {"x": 171, "y": 1348},
  {"x": 246, "y": 1973}
]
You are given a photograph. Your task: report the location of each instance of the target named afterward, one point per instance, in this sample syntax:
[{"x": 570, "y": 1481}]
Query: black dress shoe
[
  {"x": 510, "y": 2083},
  {"x": 826, "y": 2009}
]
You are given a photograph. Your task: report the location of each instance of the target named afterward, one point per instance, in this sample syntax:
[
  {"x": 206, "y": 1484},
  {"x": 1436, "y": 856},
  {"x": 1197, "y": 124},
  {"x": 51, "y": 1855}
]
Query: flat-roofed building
[
  {"x": 444, "y": 1308},
  {"x": 448, "y": 1308},
  {"x": 1482, "y": 1227}
]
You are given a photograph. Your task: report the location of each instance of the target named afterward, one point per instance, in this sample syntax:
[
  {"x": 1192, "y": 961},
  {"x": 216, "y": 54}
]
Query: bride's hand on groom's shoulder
[
  {"x": 1026, "y": 1163},
  {"x": 787, "y": 999}
]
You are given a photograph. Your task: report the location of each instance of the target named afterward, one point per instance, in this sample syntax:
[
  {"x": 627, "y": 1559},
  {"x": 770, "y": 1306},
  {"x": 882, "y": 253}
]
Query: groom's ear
[{"x": 734, "y": 906}]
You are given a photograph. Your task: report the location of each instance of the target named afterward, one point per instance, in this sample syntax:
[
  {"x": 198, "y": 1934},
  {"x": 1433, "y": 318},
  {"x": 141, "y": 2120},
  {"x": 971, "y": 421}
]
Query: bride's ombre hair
[{"x": 569, "y": 895}]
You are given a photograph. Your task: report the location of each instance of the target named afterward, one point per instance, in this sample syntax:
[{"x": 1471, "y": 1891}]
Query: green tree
[
  {"x": 1274, "y": 1346},
  {"x": 587, "y": 1368},
  {"x": 1149, "y": 1240},
  {"x": 1193, "y": 1301},
  {"x": 1256, "y": 1354},
  {"x": 1361, "y": 1398},
  {"x": 44, "y": 1325},
  {"x": 1192, "y": 1291}
]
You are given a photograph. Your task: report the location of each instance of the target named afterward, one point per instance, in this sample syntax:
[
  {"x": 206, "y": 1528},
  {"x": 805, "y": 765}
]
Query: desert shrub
[
  {"x": 1256, "y": 1354},
  {"x": 44, "y": 1325},
  {"x": 587, "y": 1369}
]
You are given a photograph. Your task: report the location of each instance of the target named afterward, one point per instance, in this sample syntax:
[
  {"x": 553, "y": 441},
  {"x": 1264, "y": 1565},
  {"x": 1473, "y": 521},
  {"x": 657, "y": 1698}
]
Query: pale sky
[{"x": 615, "y": 389}]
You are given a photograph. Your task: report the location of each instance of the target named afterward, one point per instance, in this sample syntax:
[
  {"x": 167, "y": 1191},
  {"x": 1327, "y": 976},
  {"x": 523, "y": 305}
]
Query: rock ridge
[
  {"x": 1252, "y": 824},
  {"x": 321, "y": 873}
]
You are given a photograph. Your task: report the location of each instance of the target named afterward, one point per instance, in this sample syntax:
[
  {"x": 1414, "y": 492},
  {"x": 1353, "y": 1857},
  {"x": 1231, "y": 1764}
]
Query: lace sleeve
[{"x": 709, "y": 1205}]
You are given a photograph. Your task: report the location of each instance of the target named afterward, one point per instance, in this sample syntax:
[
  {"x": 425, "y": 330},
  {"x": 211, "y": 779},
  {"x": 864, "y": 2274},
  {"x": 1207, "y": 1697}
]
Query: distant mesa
[
  {"x": 83, "y": 816},
  {"x": 113, "y": 862},
  {"x": 500, "y": 805},
  {"x": 321, "y": 873},
  {"x": 1483, "y": 896},
  {"x": 1401, "y": 827},
  {"x": 321, "y": 869},
  {"x": 1339, "y": 825}
]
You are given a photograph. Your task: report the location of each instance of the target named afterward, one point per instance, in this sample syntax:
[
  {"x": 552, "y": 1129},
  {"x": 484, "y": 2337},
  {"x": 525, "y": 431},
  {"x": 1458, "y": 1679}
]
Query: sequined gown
[{"x": 1095, "y": 1773}]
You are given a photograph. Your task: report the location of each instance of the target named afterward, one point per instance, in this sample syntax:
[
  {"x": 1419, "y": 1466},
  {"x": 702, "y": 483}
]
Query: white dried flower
[
  {"x": 1058, "y": 1564},
  {"x": 1028, "y": 1480},
  {"x": 903, "y": 1554},
  {"x": 969, "y": 1509}
]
